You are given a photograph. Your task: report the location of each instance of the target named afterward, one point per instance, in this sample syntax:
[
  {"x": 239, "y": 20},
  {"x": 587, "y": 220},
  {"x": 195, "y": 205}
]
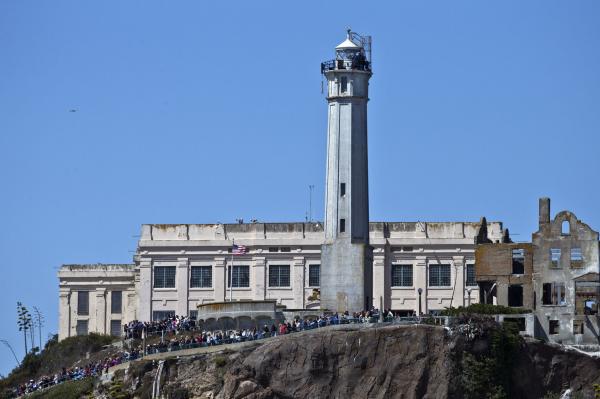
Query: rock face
[
  {"x": 342, "y": 363},
  {"x": 353, "y": 362}
]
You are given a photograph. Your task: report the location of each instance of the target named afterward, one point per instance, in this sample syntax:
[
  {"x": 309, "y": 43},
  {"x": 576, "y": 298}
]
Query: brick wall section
[{"x": 493, "y": 262}]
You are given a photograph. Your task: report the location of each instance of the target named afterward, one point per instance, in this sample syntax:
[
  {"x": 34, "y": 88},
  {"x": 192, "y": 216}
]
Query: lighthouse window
[
  {"x": 342, "y": 189},
  {"x": 342, "y": 225},
  {"x": 344, "y": 84}
]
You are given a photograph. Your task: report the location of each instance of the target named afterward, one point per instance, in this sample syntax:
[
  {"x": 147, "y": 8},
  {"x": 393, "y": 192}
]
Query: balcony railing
[{"x": 339, "y": 65}]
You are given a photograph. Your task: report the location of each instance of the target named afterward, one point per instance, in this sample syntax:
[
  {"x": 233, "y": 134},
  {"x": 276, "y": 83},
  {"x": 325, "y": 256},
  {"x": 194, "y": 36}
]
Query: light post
[
  {"x": 469, "y": 301},
  {"x": 420, "y": 291}
]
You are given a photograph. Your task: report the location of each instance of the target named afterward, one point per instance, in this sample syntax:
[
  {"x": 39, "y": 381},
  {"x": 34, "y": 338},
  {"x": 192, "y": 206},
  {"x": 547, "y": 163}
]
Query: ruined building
[{"x": 556, "y": 276}]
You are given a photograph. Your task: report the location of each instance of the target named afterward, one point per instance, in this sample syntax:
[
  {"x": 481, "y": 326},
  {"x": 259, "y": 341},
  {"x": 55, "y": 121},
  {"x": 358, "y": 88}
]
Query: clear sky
[{"x": 198, "y": 112}]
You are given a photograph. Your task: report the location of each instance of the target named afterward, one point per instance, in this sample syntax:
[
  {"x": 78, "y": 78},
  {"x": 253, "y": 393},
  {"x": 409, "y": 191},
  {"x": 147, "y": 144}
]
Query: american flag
[{"x": 239, "y": 249}]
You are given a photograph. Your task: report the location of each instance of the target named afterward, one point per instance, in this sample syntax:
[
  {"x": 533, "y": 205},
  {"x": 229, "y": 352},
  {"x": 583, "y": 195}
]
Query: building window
[
  {"x": 518, "y": 261},
  {"x": 116, "y": 302},
  {"x": 115, "y": 328},
  {"x": 241, "y": 276},
  {"x": 555, "y": 257},
  {"x": 515, "y": 295},
  {"x": 565, "y": 228},
  {"x": 201, "y": 277},
  {"x": 273, "y": 249},
  {"x": 82, "y": 327},
  {"x": 402, "y": 275},
  {"x": 342, "y": 189},
  {"x": 164, "y": 277},
  {"x": 553, "y": 294},
  {"x": 471, "y": 282},
  {"x": 439, "y": 275},
  {"x": 578, "y": 327},
  {"x": 576, "y": 257},
  {"x": 285, "y": 249},
  {"x": 554, "y": 327},
  {"x": 194, "y": 314},
  {"x": 83, "y": 304},
  {"x": 279, "y": 275},
  {"x": 160, "y": 315},
  {"x": 342, "y": 225},
  {"x": 344, "y": 84},
  {"x": 314, "y": 275}
]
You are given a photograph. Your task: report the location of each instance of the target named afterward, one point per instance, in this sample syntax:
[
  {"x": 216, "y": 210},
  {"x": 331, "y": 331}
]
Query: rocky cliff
[{"x": 387, "y": 362}]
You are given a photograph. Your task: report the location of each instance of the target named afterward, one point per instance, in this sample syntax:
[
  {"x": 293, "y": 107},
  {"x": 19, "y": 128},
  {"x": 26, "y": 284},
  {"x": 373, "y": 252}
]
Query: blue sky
[{"x": 197, "y": 112}]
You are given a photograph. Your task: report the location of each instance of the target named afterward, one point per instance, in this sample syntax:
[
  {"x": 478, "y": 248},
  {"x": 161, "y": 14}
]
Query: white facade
[
  {"x": 288, "y": 248},
  {"x": 99, "y": 285}
]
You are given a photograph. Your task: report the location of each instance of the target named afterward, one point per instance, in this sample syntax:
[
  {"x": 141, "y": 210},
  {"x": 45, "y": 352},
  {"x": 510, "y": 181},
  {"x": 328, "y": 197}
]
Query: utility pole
[{"x": 311, "y": 187}]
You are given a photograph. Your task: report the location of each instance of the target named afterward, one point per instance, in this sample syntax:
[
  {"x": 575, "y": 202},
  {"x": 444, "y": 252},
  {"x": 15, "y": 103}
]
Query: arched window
[{"x": 565, "y": 228}]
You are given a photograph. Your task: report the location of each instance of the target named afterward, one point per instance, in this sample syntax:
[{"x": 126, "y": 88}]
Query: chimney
[{"x": 544, "y": 211}]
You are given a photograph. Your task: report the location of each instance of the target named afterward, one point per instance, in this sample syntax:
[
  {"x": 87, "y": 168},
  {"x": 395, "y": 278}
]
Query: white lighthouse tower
[{"x": 346, "y": 271}]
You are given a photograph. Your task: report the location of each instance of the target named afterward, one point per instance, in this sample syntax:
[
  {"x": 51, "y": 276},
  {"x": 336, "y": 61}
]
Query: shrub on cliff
[
  {"x": 484, "y": 309},
  {"x": 488, "y": 375}
]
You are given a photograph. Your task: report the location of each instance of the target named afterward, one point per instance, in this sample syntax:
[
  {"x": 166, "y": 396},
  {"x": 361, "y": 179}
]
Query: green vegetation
[
  {"x": 220, "y": 361},
  {"x": 116, "y": 391},
  {"x": 488, "y": 375},
  {"x": 480, "y": 308},
  {"x": 67, "y": 390},
  {"x": 53, "y": 358}
]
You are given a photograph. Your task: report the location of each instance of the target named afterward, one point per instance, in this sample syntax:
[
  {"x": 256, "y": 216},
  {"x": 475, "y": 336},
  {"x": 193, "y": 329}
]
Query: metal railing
[{"x": 337, "y": 65}]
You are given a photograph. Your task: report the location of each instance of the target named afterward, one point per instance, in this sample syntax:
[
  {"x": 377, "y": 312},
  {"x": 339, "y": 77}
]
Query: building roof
[{"x": 347, "y": 44}]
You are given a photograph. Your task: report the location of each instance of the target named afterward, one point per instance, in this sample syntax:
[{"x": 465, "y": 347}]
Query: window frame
[
  {"x": 555, "y": 253},
  {"x": 78, "y": 329},
  {"x": 205, "y": 274},
  {"x": 311, "y": 268},
  {"x": 237, "y": 275},
  {"x": 439, "y": 267},
  {"x": 518, "y": 261},
  {"x": 113, "y": 308},
  {"x": 164, "y": 269},
  {"x": 402, "y": 273},
  {"x": 119, "y": 330},
  {"x": 343, "y": 84},
  {"x": 276, "y": 277},
  {"x": 80, "y": 295},
  {"x": 472, "y": 266}
]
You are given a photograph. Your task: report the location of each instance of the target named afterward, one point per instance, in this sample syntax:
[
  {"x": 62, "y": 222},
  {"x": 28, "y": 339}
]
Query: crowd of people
[
  {"x": 203, "y": 338},
  {"x": 77, "y": 373},
  {"x": 134, "y": 328}
]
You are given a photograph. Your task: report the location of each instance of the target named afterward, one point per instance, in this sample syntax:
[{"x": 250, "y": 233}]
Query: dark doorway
[{"x": 515, "y": 295}]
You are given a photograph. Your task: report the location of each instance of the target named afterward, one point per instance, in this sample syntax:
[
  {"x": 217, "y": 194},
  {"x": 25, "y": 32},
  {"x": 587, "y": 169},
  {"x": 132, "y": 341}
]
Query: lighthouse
[{"x": 346, "y": 265}]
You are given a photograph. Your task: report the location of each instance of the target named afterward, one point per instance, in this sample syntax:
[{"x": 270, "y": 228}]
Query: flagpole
[{"x": 231, "y": 273}]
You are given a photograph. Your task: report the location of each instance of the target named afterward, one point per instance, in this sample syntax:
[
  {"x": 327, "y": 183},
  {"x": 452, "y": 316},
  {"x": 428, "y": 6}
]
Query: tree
[
  {"x": 23, "y": 321},
  {"x": 39, "y": 322}
]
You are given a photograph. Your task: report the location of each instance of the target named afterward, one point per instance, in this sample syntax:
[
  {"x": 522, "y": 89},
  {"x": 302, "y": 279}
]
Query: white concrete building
[
  {"x": 180, "y": 266},
  {"x": 96, "y": 298}
]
